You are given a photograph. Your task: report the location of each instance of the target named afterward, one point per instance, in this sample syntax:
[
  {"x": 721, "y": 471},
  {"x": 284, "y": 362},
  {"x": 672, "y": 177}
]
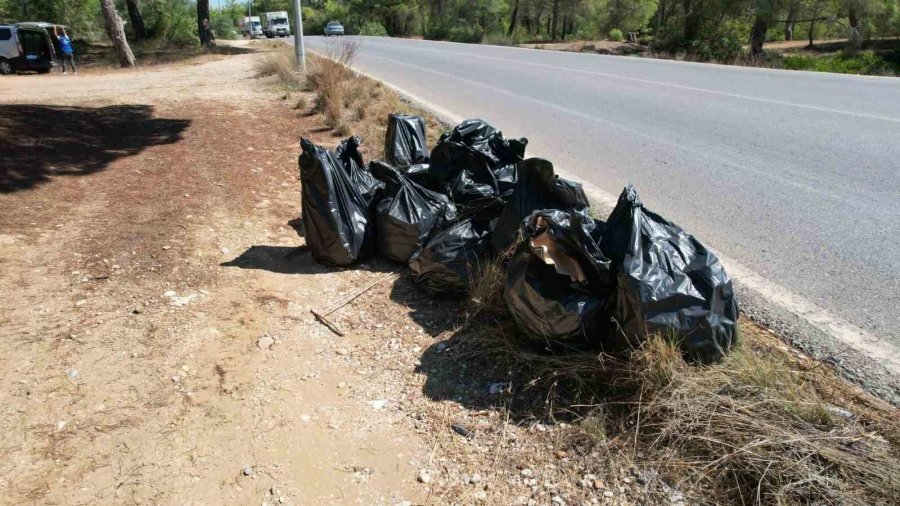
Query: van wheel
[{"x": 6, "y": 67}]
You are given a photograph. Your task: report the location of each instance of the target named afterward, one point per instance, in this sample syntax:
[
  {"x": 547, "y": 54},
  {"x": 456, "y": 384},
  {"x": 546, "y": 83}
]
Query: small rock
[
  {"x": 305, "y": 418},
  {"x": 476, "y": 478},
  {"x": 81, "y": 302},
  {"x": 225, "y": 251},
  {"x": 626, "y": 480},
  {"x": 557, "y": 500},
  {"x": 170, "y": 294},
  {"x": 247, "y": 471},
  {"x": 481, "y": 496},
  {"x": 342, "y": 351},
  {"x": 60, "y": 425},
  {"x": 607, "y": 493},
  {"x": 167, "y": 247},
  {"x": 265, "y": 342},
  {"x": 72, "y": 373},
  {"x": 176, "y": 379},
  {"x": 836, "y": 411},
  {"x": 598, "y": 484},
  {"x": 561, "y": 454},
  {"x": 379, "y": 404},
  {"x": 528, "y": 473},
  {"x": 498, "y": 388},
  {"x": 424, "y": 476}
]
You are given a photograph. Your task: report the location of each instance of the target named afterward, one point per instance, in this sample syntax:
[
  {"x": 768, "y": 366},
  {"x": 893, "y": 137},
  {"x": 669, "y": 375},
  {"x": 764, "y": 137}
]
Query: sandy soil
[{"x": 129, "y": 359}]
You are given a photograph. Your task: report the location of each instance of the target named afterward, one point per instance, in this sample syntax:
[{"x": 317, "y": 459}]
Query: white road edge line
[
  {"x": 866, "y": 343},
  {"x": 660, "y": 83}
]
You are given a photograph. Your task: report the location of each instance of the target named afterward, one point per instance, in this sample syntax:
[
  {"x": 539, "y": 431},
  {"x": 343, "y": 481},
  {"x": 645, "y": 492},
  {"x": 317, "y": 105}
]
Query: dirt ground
[{"x": 156, "y": 341}]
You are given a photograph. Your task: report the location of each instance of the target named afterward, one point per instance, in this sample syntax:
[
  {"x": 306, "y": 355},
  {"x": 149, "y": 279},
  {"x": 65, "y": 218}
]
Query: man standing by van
[{"x": 65, "y": 47}]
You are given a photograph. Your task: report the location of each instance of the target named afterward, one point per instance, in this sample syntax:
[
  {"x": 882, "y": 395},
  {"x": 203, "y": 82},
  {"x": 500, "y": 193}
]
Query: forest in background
[{"x": 709, "y": 30}]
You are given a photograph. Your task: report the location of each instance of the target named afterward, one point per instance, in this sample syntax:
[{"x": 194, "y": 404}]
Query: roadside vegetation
[
  {"x": 733, "y": 32},
  {"x": 767, "y": 425}
]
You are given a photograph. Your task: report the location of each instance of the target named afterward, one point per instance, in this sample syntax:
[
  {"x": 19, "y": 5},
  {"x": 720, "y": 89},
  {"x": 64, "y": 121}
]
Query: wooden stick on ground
[
  {"x": 322, "y": 317},
  {"x": 327, "y": 323}
]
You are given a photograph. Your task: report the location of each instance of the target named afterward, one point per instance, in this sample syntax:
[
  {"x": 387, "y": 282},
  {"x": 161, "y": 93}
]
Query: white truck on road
[
  {"x": 250, "y": 26},
  {"x": 276, "y": 24}
]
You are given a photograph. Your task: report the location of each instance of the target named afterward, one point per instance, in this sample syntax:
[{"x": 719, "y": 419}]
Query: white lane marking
[
  {"x": 656, "y": 83},
  {"x": 849, "y": 200},
  {"x": 866, "y": 343}
]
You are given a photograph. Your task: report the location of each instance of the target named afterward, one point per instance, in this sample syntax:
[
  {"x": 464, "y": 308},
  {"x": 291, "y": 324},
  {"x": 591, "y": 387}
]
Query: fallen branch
[
  {"x": 322, "y": 317},
  {"x": 327, "y": 323}
]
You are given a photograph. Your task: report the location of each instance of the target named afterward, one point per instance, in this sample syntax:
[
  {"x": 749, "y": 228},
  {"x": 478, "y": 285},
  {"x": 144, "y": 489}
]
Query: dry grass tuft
[
  {"x": 758, "y": 428},
  {"x": 354, "y": 104},
  {"x": 279, "y": 63}
]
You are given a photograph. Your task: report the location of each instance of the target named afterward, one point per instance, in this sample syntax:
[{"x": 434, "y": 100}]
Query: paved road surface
[{"x": 794, "y": 175}]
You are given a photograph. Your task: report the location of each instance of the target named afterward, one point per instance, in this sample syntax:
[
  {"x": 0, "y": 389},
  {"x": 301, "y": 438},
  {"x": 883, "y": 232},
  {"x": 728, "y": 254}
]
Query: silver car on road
[{"x": 334, "y": 28}]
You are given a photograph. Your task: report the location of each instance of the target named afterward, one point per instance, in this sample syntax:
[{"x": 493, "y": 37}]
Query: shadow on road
[{"x": 40, "y": 142}]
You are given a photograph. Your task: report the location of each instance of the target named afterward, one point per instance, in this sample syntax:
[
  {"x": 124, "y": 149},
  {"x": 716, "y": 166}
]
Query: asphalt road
[{"x": 794, "y": 175}]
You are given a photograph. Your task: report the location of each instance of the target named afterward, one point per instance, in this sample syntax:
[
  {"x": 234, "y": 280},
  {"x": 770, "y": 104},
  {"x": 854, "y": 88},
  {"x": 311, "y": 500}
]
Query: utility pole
[{"x": 299, "y": 48}]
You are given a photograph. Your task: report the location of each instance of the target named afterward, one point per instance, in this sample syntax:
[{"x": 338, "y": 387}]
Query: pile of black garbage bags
[{"x": 573, "y": 282}]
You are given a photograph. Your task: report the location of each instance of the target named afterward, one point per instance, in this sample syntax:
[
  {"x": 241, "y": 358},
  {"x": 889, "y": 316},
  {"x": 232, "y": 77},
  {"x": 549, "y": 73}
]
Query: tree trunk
[
  {"x": 137, "y": 21},
  {"x": 554, "y": 18},
  {"x": 812, "y": 28},
  {"x": 116, "y": 32},
  {"x": 691, "y": 21},
  {"x": 203, "y": 22},
  {"x": 512, "y": 19},
  {"x": 789, "y": 23},
  {"x": 758, "y": 35},
  {"x": 855, "y": 33}
]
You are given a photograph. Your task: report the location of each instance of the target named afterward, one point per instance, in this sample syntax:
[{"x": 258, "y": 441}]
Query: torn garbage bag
[
  {"x": 538, "y": 187},
  {"x": 404, "y": 142},
  {"x": 558, "y": 286},
  {"x": 352, "y": 161},
  {"x": 668, "y": 282},
  {"x": 475, "y": 161},
  {"x": 446, "y": 263},
  {"x": 406, "y": 213},
  {"x": 336, "y": 215}
]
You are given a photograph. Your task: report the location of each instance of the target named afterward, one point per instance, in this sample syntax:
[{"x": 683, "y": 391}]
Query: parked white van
[{"x": 26, "y": 46}]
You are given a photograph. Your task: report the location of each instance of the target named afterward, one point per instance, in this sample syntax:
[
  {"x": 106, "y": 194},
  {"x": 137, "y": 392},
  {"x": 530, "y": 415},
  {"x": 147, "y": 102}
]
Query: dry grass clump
[
  {"x": 354, "y": 104},
  {"x": 758, "y": 428},
  {"x": 755, "y": 430},
  {"x": 279, "y": 63}
]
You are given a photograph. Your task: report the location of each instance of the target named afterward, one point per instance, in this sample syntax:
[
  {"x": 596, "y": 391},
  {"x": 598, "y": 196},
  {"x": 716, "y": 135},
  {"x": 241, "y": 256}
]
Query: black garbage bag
[
  {"x": 352, "y": 161},
  {"x": 419, "y": 173},
  {"x": 474, "y": 161},
  {"x": 405, "y": 143},
  {"x": 447, "y": 262},
  {"x": 668, "y": 282},
  {"x": 559, "y": 285},
  {"x": 406, "y": 213},
  {"x": 336, "y": 215},
  {"x": 538, "y": 187}
]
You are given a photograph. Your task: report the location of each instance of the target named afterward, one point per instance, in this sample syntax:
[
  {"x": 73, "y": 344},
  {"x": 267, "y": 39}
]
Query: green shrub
[
  {"x": 616, "y": 35},
  {"x": 373, "y": 28},
  {"x": 724, "y": 49},
  {"x": 172, "y": 22},
  {"x": 863, "y": 62},
  {"x": 465, "y": 33},
  {"x": 223, "y": 26}
]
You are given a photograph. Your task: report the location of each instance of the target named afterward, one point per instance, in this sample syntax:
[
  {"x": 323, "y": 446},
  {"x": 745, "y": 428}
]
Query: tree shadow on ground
[
  {"x": 39, "y": 142},
  {"x": 435, "y": 316}
]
